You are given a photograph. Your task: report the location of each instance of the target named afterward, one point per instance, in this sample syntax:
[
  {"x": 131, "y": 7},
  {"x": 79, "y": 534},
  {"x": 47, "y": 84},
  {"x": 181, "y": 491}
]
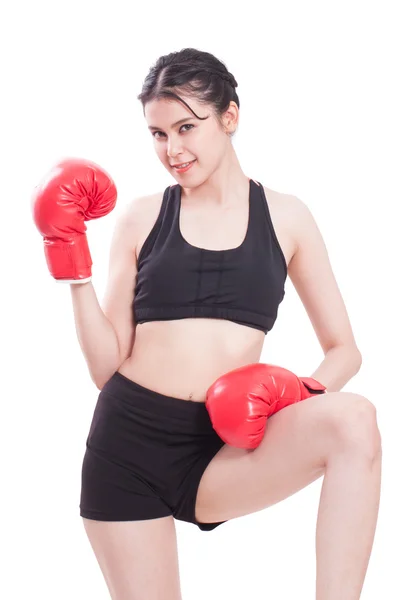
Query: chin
[{"x": 191, "y": 182}]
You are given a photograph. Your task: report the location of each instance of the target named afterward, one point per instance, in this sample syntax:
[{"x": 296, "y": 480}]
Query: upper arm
[
  {"x": 119, "y": 294},
  {"x": 311, "y": 273}
]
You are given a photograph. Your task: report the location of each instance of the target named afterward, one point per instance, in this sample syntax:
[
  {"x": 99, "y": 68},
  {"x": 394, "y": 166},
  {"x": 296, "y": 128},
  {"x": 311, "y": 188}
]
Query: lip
[
  {"x": 184, "y": 169},
  {"x": 182, "y": 163}
]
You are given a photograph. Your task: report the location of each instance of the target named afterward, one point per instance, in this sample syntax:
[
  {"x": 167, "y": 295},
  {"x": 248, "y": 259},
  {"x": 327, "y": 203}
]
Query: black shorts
[{"x": 145, "y": 455}]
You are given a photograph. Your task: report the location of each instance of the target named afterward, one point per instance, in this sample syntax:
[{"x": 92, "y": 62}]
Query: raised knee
[{"x": 356, "y": 425}]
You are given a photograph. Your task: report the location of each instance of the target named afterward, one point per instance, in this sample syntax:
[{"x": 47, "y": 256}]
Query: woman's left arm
[
  {"x": 338, "y": 367},
  {"x": 311, "y": 273}
]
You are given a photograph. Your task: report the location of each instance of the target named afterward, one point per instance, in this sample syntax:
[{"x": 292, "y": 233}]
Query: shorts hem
[{"x": 99, "y": 516}]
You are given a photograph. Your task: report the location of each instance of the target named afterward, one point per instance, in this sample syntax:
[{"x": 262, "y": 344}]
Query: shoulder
[
  {"x": 140, "y": 206},
  {"x": 142, "y": 210},
  {"x": 291, "y": 213},
  {"x": 285, "y": 210},
  {"x": 282, "y": 200},
  {"x": 140, "y": 215}
]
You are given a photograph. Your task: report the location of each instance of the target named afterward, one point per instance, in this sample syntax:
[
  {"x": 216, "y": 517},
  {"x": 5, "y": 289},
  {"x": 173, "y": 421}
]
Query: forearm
[
  {"x": 338, "y": 367},
  {"x": 96, "y": 335}
]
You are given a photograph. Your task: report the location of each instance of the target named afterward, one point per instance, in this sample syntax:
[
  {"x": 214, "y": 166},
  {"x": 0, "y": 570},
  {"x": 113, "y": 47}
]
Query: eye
[{"x": 185, "y": 125}]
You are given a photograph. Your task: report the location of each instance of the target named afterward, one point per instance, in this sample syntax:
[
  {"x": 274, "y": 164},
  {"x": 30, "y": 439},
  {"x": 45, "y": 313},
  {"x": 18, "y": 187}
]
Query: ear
[{"x": 230, "y": 118}]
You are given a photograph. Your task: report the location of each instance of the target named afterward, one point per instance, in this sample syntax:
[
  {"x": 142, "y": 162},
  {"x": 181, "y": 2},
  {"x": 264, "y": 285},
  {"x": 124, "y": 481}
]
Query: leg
[
  {"x": 335, "y": 434},
  {"x": 348, "y": 511},
  {"x": 138, "y": 559},
  {"x": 292, "y": 454}
]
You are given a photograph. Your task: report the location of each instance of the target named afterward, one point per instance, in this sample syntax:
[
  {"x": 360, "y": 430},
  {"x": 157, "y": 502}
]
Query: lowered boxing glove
[
  {"x": 74, "y": 191},
  {"x": 240, "y": 401}
]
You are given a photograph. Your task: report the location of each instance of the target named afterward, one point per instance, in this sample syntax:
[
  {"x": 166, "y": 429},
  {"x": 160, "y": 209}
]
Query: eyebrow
[{"x": 175, "y": 124}]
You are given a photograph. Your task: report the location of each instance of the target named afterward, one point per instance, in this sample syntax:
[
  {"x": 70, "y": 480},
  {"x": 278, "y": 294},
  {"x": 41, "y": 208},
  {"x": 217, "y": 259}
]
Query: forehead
[{"x": 167, "y": 111}]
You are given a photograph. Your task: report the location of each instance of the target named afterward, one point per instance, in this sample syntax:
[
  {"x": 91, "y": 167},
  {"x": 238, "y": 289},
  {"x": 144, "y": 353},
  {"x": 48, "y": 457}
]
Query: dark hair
[{"x": 192, "y": 73}]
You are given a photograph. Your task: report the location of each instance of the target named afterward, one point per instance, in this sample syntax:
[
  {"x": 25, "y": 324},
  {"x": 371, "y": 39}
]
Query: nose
[{"x": 174, "y": 147}]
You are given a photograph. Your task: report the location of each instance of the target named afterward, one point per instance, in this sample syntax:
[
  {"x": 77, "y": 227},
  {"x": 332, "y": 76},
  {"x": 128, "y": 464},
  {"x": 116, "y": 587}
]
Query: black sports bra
[{"x": 176, "y": 280}]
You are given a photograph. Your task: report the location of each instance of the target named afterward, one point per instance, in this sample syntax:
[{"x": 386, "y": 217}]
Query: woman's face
[{"x": 191, "y": 139}]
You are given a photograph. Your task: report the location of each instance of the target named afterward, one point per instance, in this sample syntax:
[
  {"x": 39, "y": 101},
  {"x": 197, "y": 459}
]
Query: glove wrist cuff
[
  {"x": 74, "y": 281},
  {"x": 68, "y": 259},
  {"x": 312, "y": 385}
]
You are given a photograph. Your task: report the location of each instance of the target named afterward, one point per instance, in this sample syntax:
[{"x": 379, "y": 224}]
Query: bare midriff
[{"x": 182, "y": 358}]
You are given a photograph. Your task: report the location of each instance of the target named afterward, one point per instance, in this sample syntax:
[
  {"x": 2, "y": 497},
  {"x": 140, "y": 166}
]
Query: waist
[{"x": 183, "y": 358}]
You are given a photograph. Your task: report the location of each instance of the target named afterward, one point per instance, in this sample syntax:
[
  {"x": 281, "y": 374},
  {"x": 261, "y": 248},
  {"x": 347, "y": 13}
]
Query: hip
[{"x": 138, "y": 428}]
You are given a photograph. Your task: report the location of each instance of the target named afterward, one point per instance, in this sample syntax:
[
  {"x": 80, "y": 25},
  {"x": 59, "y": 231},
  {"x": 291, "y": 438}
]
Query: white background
[{"x": 319, "y": 119}]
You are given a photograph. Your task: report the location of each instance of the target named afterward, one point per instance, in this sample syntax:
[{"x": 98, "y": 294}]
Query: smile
[{"x": 184, "y": 166}]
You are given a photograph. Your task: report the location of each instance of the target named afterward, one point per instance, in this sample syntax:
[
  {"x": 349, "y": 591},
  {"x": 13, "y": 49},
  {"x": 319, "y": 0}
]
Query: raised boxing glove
[
  {"x": 240, "y": 401},
  {"x": 74, "y": 191}
]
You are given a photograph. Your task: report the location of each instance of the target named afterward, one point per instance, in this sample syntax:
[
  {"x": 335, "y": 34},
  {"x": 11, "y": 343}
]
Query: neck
[{"x": 226, "y": 187}]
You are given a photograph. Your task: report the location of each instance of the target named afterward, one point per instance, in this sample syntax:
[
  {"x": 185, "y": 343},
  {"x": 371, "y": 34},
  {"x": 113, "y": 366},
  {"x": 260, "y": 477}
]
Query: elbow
[
  {"x": 99, "y": 384},
  {"x": 100, "y": 374},
  {"x": 352, "y": 355},
  {"x": 100, "y": 380},
  {"x": 358, "y": 359},
  {"x": 355, "y": 359}
]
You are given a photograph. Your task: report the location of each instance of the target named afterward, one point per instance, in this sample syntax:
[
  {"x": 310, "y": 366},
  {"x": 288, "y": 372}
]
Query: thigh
[
  {"x": 292, "y": 454},
  {"x": 138, "y": 559}
]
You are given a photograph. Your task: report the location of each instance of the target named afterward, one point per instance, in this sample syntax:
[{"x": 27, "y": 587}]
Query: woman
[{"x": 196, "y": 275}]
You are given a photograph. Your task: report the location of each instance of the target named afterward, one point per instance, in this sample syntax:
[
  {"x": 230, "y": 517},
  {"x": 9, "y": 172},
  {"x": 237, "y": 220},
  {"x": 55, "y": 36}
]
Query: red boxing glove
[
  {"x": 74, "y": 191},
  {"x": 240, "y": 402}
]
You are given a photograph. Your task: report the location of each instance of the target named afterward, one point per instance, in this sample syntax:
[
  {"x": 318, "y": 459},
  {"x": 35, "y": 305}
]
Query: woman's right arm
[{"x": 106, "y": 334}]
